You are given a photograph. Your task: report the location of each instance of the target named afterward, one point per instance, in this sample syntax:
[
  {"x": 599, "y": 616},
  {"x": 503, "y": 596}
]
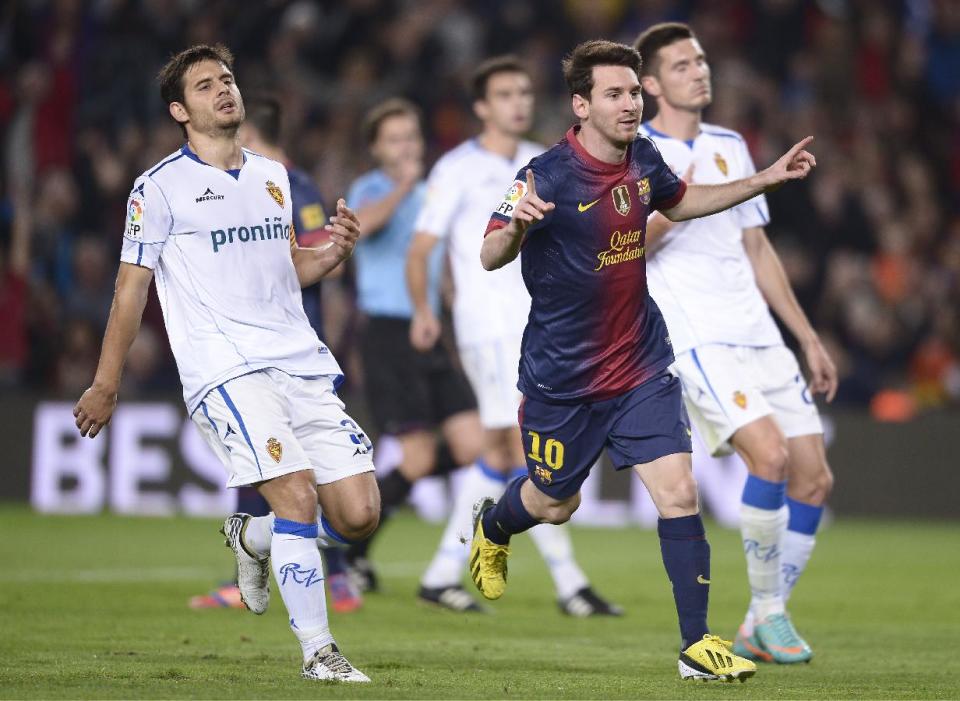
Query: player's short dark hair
[
  {"x": 480, "y": 78},
  {"x": 264, "y": 114},
  {"x": 171, "y": 75},
  {"x": 579, "y": 64},
  {"x": 379, "y": 113},
  {"x": 655, "y": 38}
]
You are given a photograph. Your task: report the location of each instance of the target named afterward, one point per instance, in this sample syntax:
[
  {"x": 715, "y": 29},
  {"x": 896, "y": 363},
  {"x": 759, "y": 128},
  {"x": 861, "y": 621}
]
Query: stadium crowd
[{"x": 871, "y": 243}]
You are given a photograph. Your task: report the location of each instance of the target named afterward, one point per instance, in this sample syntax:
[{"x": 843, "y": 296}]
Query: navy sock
[
  {"x": 336, "y": 561},
  {"x": 508, "y": 516},
  {"x": 686, "y": 557}
]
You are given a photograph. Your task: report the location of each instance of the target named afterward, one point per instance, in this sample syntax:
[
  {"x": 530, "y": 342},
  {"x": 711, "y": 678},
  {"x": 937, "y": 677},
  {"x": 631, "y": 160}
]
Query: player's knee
[
  {"x": 679, "y": 498},
  {"x": 816, "y": 489},
  {"x": 770, "y": 461},
  {"x": 359, "y": 520},
  {"x": 417, "y": 462},
  {"x": 299, "y": 503}
]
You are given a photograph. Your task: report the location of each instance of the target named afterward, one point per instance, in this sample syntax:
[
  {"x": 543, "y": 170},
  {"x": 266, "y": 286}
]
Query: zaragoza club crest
[
  {"x": 275, "y": 448},
  {"x": 721, "y": 163},
  {"x": 275, "y": 192},
  {"x": 740, "y": 399}
]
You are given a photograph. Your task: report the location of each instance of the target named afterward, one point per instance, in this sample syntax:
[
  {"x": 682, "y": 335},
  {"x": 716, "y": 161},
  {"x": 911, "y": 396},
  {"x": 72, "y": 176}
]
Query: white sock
[
  {"x": 796, "y": 550},
  {"x": 327, "y": 536},
  {"x": 762, "y": 530},
  {"x": 556, "y": 549},
  {"x": 258, "y": 535},
  {"x": 298, "y": 571},
  {"x": 446, "y": 568}
]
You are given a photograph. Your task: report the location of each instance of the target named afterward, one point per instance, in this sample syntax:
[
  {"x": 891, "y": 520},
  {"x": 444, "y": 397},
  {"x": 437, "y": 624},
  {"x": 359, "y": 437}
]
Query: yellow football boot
[
  {"x": 488, "y": 561},
  {"x": 712, "y": 658}
]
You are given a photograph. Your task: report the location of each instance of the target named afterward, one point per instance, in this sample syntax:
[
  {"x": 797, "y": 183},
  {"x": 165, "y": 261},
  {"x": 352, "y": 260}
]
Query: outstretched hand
[
  {"x": 795, "y": 164},
  {"x": 530, "y": 209}
]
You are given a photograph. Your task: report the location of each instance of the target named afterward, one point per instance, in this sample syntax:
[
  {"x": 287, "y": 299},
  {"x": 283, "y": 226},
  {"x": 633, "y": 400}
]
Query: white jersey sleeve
[
  {"x": 753, "y": 212},
  {"x": 148, "y": 224},
  {"x": 442, "y": 202}
]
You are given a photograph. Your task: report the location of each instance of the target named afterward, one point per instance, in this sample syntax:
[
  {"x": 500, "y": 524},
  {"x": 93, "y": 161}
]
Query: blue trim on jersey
[
  {"x": 653, "y": 132},
  {"x": 763, "y": 216},
  {"x": 288, "y": 527},
  {"x": 203, "y": 406},
  {"x": 185, "y": 150},
  {"x": 140, "y": 254},
  {"x": 696, "y": 360},
  {"x": 169, "y": 160},
  {"x": 725, "y": 135},
  {"x": 243, "y": 428}
]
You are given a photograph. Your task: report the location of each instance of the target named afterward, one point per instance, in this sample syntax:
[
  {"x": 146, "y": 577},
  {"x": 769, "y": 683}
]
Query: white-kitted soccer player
[
  {"x": 716, "y": 280},
  {"x": 212, "y": 223},
  {"x": 489, "y": 314}
]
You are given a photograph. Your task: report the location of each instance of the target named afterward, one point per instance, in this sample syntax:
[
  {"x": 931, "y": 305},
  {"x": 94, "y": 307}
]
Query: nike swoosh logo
[
  {"x": 701, "y": 580},
  {"x": 584, "y": 207}
]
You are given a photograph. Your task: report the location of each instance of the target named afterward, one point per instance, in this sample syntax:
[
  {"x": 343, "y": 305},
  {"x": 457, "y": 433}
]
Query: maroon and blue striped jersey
[{"x": 593, "y": 332}]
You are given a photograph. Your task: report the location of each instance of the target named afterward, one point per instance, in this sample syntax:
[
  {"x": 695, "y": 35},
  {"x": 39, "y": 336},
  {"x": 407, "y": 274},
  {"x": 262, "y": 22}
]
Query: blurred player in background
[
  {"x": 594, "y": 367},
  {"x": 489, "y": 313},
  {"x": 260, "y": 133},
  {"x": 714, "y": 278},
  {"x": 410, "y": 394},
  {"x": 214, "y": 222}
]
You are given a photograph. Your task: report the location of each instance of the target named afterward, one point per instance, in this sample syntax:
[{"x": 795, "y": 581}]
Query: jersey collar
[
  {"x": 595, "y": 163},
  {"x": 653, "y": 132},
  {"x": 188, "y": 152}
]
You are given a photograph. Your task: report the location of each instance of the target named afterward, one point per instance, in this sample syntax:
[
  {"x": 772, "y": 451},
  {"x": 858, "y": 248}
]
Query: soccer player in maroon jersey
[{"x": 593, "y": 370}]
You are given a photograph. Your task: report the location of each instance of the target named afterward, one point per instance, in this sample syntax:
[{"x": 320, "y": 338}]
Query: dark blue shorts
[{"x": 563, "y": 441}]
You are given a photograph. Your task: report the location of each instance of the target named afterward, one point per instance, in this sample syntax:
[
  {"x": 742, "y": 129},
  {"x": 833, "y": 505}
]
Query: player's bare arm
[
  {"x": 424, "y": 327},
  {"x": 375, "y": 215},
  {"x": 658, "y": 225},
  {"x": 312, "y": 264},
  {"x": 501, "y": 246},
  {"x": 775, "y": 286},
  {"x": 96, "y": 405},
  {"x": 702, "y": 200}
]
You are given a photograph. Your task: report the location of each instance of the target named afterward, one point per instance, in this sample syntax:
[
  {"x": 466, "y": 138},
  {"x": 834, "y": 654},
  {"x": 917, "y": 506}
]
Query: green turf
[{"x": 96, "y": 608}]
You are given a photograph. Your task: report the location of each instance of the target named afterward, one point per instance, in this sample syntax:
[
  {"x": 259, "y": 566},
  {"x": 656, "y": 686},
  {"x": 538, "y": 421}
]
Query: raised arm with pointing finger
[{"x": 500, "y": 246}]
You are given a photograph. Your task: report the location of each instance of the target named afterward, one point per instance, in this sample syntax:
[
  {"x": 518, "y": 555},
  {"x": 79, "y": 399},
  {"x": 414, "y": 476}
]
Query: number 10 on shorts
[{"x": 552, "y": 451}]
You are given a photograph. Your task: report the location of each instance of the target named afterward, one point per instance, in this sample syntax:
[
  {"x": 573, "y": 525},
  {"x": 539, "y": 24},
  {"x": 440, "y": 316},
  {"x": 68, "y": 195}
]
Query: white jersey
[
  {"x": 464, "y": 186},
  {"x": 701, "y": 277},
  {"x": 219, "y": 246}
]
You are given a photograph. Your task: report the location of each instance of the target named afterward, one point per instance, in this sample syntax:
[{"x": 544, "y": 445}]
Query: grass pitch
[{"x": 95, "y": 607}]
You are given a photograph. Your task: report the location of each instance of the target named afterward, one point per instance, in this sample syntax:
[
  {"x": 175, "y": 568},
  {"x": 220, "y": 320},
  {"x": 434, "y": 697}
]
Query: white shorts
[
  {"x": 493, "y": 369},
  {"x": 267, "y": 424},
  {"x": 727, "y": 387}
]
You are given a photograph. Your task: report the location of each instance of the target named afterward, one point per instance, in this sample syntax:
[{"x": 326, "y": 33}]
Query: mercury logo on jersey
[
  {"x": 209, "y": 195},
  {"x": 275, "y": 230},
  {"x": 624, "y": 247}
]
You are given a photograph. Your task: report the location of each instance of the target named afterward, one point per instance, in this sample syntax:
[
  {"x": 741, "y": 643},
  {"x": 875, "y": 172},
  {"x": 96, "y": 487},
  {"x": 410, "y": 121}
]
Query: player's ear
[
  {"x": 481, "y": 109},
  {"x": 179, "y": 112},
  {"x": 650, "y": 85},
  {"x": 581, "y": 106}
]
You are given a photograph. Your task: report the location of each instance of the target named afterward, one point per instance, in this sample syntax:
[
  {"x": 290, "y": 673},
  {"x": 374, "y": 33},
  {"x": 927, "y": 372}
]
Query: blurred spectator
[{"x": 871, "y": 242}]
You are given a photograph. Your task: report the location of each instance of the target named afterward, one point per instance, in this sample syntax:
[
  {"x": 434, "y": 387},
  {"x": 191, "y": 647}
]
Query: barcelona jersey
[{"x": 593, "y": 332}]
